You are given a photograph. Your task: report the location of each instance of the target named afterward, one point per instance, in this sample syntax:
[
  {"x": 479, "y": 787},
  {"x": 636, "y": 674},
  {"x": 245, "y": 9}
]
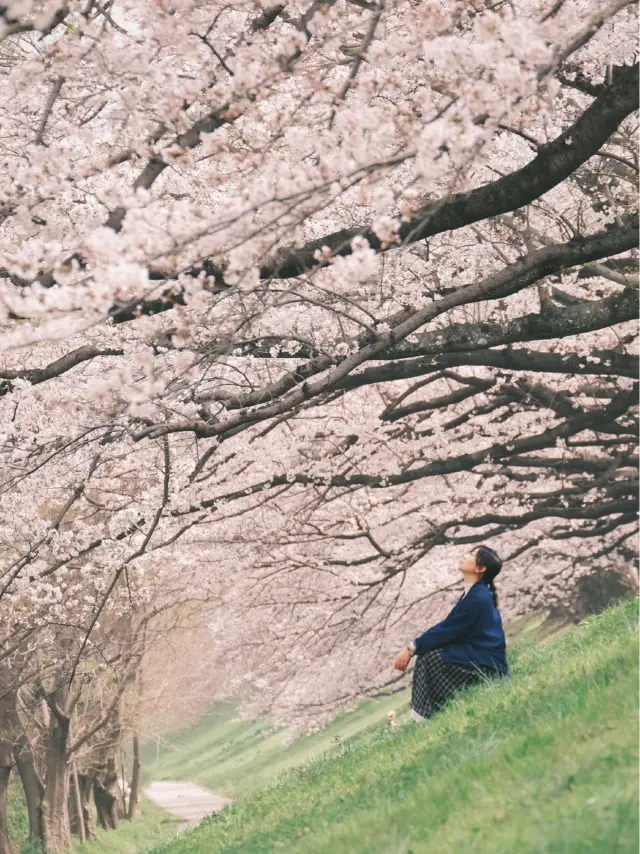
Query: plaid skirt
[{"x": 435, "y": 681}]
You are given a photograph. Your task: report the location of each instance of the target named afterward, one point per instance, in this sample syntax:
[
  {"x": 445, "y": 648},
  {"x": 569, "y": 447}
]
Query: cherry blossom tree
[{"x": 298, "y": 300}]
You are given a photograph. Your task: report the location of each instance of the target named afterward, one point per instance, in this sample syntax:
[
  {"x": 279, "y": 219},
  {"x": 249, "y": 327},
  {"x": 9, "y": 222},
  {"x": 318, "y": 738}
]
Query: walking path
[{"x": 190, "y": 803}]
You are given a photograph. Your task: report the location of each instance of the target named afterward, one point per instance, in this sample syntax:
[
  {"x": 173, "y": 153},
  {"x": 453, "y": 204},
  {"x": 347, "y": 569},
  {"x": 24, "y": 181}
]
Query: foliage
[
  {"x": 295, "y": 298},
  {"x": 297, "y": 301}
]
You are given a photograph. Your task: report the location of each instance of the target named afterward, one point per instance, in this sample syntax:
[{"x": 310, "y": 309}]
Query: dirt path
[{"x": 190, "y": 803}]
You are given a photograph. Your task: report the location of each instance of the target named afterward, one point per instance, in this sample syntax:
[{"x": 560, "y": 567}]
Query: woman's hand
[{"x": 403, "y": 659}]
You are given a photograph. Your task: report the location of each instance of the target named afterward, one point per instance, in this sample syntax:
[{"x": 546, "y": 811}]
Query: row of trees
[
  {"x": 72, "y": 718},
  {"x": 63, "y": 755},
  {"x": 298, "y": 301}
]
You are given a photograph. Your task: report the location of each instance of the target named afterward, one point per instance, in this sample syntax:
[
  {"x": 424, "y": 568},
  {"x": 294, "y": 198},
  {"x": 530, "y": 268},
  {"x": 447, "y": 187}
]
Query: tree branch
[
  {"x": 55, "y": 369},
  {"x": 609, "y": 362},
  {"x": 463, "y": 462},
  {"x": 552, "y": 165},
  {"x": 511, "y": 278}
]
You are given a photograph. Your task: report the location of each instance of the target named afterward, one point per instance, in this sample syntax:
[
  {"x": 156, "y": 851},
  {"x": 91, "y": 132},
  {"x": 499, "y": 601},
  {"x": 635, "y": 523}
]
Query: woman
[{"x": 464, "y": 647}]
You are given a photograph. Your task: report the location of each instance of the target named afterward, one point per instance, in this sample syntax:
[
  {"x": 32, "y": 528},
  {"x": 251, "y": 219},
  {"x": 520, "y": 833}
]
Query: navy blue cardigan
[{"x": 471, "y": 634}]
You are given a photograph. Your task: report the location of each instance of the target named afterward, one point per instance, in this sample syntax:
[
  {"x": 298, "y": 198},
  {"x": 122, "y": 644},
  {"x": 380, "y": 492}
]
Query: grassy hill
[
  {"x": 545, "y": 763},
  {"x": 234, "y": 757}
]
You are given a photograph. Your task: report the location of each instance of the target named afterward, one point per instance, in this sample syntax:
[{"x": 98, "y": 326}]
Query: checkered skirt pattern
[{"x": 435, "y": 681}]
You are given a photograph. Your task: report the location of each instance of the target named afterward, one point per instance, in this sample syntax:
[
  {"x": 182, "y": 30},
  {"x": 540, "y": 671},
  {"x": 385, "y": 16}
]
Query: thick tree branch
[
  {"x": 511, "y": 278},
  {"x": 559, "y": 323},
  {"x": 395, "y": 413},
  {"x": 55, "y": 369},
  {"x": 609, "y": 363},
  {"x": 576, "y": 465},
  {"x": 510, "y": 521},
  {"x": 552, "y": 165},
  {"x": 156, "y": 166}
]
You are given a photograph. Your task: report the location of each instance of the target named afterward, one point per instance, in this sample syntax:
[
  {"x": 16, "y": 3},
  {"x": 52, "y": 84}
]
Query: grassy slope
[
  {"x": 543, "y": 763},
  {"x": 234, "y": 757}
]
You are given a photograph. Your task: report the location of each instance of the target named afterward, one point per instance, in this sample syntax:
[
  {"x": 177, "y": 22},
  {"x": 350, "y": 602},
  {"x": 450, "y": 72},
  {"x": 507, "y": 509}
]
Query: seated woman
[{"x": 466, "y": 646}]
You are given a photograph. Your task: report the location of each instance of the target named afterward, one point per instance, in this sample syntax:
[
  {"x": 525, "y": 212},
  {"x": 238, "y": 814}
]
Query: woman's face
[{"x": 468, "y": 564}]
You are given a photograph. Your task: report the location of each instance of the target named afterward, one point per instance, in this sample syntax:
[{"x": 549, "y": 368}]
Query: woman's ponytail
[
  {"x": 487, "y": 559},
  {"x": 493, "y": 590}
]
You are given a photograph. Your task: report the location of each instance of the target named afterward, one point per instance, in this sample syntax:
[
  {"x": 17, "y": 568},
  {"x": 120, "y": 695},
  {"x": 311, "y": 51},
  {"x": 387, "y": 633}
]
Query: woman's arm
[{"x": 453, "y": 629}]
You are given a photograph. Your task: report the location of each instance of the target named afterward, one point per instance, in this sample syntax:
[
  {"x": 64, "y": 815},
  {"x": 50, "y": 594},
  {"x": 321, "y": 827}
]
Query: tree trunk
[
  {"x": 105, "y": 795},
  {"x": 55, "y": 813},
  {"x": 134, "y": 794},
  {"x": 6, "y": 761},
  {"x": 76, "y": 815},
  {"x": 31, "y": 786},
  {"x": 7, "y": 736},
  {"x": 85, "y": 783}
]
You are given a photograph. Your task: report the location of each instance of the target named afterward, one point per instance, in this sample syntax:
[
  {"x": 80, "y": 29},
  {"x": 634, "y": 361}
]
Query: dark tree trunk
[
  {"x": 7, "y": 735},
  {"x": 31, "y": 785},
  {"x": 134, "y": 794}
]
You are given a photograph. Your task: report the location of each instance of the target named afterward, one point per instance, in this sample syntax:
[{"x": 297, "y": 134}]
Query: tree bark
[
  {"x": 7, "y": 734},
  {"x": 105, "y": 794},
  {"x": 31, "y": 785},
  {"x": 55, "y": 813},
  {"x": 85, "y": 783},
  {"x": 76, "y": 815},
  {"x": 134, "y": 794}
]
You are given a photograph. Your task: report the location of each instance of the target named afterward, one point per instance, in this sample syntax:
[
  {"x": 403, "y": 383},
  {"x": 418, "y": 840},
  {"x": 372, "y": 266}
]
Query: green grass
[
  {"x": 151, "y": 827},
  {"x": 542, "y": 763},
  {"x": 17, "y": 817},
  {"x": 233, "y": 757}
]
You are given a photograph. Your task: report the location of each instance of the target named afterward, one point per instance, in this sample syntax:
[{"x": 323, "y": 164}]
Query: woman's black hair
[{"x": 491, "y": 563}]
